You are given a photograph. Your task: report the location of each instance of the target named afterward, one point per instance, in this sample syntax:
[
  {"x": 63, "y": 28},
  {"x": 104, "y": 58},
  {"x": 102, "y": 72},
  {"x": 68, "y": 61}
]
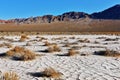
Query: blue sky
[{"x": 28, "y": 8}]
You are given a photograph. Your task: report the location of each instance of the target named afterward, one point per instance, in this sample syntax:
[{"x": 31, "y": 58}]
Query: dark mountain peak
[
  {"x": 48, "y": 15},
  {"x": 74, "y": 15},
  {"x": 110, "y": 13},
  {"x": 118, "y": 5},
  {"x": 72, "y": 12},
  {"x": 113, "y": 8}
]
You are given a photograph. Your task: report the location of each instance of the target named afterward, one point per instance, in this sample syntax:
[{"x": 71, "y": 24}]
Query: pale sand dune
[{"x": 91, "y": 67}]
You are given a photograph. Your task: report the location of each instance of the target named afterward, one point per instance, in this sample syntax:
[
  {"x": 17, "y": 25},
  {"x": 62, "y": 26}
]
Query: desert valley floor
[{"x": 88, "y": 59}]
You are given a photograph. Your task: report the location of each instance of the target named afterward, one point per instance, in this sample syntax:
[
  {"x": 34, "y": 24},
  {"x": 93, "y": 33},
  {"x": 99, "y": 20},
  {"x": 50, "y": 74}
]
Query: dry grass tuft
[
  {"x": 10, "y": 76},
  {"x": 28, "y": 44},
  {"x": 109, "y": 53},
  {"x": 54, "y": 48},
  {"x": 47, "y": 43},
  {"x": 72, "y": 52},
  {"x": 21, "y": 53},
  {"x": 50, "y": 49},
  {"x": 15, "y": 50},
  {"x": 50, "y": 72},
  {"x": 23, "y": 38}
]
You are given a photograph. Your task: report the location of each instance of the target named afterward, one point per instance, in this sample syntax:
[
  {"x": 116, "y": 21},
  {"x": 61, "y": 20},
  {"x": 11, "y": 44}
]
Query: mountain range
[
  {"x": 107, "y": 20},
  {"x": 112, "y": 13}
]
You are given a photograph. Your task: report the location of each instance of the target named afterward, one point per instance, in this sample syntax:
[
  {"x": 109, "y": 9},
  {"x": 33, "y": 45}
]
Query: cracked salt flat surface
[{"x": 92, "y": 67}]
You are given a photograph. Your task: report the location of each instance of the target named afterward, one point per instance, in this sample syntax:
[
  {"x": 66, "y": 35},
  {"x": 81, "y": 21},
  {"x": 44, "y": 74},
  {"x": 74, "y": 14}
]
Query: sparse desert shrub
[
  {"x": 56, "y": 48},
  {"x": 15, "y": 50},
  {"x": 21, "y": 53},
  {"x": 47, "y": 43},
  {"x": 50, "y": 72},
  {"x": 109, "y": 53},
  {"x": 72, "y": 52},
  {"x": 23, "y": 38},
  {"x": 53, "y": 48},
  {"x": 50, "y": 49},
  {"x": 28, "y": 44},
  {"x": 10, "y": 76}
]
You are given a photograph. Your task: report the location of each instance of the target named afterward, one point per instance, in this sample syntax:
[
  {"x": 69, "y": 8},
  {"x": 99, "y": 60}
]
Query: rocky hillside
[
  {"x": 5, "y": 21},
  {"x": 69, "y": 16}
]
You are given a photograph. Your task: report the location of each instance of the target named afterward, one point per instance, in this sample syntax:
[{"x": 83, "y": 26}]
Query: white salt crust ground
[{"x": 91, "y": 67}]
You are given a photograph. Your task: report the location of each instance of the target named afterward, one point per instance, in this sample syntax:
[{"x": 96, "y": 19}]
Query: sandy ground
[
  {"x": 91, "y": 67},
  {"x": 84, "y": 25}
]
